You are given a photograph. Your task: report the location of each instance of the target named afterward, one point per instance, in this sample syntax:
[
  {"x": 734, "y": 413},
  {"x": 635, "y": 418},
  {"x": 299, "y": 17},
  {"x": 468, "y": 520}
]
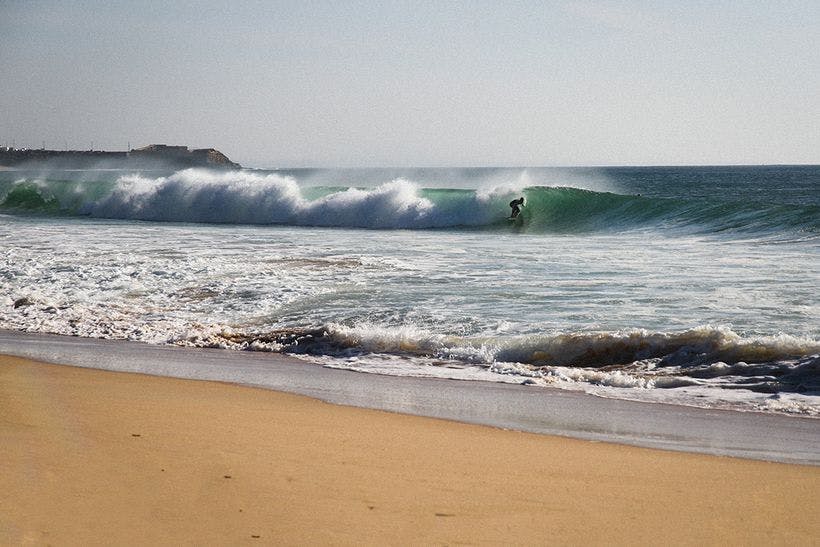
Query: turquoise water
[{"x": 686, "y": 285}]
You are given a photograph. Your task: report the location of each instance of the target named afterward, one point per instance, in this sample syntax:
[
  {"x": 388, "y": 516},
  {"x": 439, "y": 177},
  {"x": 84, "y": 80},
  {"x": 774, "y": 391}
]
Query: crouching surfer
[{"x": 516, "y": 206}]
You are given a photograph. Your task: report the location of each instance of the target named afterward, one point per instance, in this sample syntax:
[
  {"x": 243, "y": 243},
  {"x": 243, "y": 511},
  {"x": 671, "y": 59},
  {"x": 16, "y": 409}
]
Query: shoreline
[
  {"x": 101, "y": 457},
  {"x": 547, "y": 411}
]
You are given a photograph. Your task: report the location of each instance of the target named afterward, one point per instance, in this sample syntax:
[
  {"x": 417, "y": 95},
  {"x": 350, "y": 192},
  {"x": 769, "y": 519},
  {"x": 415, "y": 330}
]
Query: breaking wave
[
  {"x": 244, "y": 197},
  {"x": 634, "y": 358}
]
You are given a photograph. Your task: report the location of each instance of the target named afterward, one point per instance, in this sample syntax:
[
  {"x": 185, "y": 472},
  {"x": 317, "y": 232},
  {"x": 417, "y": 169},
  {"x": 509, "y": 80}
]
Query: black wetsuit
[{"x": 516, "y": 207}]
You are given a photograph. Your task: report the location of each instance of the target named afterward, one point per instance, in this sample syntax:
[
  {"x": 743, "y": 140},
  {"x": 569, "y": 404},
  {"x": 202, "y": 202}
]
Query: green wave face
[
  {"x": 28, "y": 197},
  {"x": 247, "y": 198},
  {"x": 573, "y": 210},
  {"x": 64, "y": 197}
]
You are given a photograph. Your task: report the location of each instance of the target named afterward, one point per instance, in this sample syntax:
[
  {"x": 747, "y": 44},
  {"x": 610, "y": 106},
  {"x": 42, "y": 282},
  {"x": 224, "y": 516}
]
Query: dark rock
[{"x": 22, "y": 302}]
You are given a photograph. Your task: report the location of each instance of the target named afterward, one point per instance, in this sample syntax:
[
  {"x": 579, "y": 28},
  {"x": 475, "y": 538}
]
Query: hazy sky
[{"x": 414, "y": 83}]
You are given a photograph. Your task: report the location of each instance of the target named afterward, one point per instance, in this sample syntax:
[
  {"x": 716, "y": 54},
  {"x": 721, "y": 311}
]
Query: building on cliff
[
  {"x": 207, "y": 157},
  {"x": 154, "y": 156}
]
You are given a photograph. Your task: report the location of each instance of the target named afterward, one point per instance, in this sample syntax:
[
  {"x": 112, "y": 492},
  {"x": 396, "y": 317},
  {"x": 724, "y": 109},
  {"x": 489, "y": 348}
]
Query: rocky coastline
[{"x": 154, "y": 156}]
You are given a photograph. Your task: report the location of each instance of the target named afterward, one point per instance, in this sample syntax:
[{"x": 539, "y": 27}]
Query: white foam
[
  {"x": 435, "y": 302},
  {"x": 241, "y": 197}
]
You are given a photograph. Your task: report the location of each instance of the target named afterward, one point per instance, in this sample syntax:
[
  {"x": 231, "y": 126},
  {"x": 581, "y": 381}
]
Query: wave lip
[
  {"x": 248, "y": 198},
  {"x": 245, "y": 197}
]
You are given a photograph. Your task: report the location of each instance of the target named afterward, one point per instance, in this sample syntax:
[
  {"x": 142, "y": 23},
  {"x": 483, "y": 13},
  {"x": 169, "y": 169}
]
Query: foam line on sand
[{"x": 534, "y": 409}]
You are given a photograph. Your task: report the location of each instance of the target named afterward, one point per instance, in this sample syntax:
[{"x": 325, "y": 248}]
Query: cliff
[
  {"x": 154, "y": 156},
  {"x": 181, "y": 156}
]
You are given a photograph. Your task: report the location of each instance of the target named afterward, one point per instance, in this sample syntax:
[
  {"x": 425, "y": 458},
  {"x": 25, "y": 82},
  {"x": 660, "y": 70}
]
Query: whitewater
[{"x": 687, "y": 285}]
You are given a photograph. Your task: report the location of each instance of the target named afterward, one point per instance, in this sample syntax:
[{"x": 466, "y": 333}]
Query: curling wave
[{"x": 196, "y": 195}]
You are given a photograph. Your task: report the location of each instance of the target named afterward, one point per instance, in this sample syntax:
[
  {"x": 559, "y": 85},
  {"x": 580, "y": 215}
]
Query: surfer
[{"x": 516, "y": 205}]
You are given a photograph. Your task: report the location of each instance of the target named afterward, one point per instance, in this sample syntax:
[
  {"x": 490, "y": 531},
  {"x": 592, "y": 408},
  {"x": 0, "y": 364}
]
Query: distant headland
[{"x": 153, "y": 156}]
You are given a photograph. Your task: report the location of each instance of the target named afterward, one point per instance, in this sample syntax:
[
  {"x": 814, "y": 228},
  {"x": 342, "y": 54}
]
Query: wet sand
[
  {"x": 98, "y": 457},
  {"x": 785, "y": 439}
]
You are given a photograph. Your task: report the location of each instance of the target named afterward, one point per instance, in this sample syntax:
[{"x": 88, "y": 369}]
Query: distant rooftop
[{"x": 151, "y": 156}]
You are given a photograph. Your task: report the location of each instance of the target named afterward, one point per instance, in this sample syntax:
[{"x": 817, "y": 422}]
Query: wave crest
[
  {"x": 246, "y": 197},
  {"x": 701, "y": 346},
  {"x": 634, "y": 358}
]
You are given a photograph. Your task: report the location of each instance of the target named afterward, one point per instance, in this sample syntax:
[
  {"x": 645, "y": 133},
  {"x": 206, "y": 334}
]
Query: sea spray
[
  {"x": 690, "y": 286},
  {"x": 196, "y": 195},
  {"x": 247, "y": 197}
]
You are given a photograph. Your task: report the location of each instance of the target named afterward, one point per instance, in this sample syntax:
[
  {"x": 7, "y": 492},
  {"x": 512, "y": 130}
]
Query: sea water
[{"x": 685, "y": 285}]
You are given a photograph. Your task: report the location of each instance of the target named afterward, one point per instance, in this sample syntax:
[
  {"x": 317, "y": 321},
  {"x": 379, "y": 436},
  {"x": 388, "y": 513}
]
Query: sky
[{"x": 416, "y": 83}]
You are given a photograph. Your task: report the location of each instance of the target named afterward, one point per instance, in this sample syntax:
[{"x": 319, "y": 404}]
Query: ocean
[{"x": 694, "y": 286}]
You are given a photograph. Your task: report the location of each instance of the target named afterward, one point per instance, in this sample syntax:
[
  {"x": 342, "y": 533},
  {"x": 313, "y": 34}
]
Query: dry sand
[{"x": 93, "y": 457}]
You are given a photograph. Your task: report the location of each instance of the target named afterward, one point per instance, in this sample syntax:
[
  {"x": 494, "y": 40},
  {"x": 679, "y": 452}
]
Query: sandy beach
[{"x": 97, "y": 457}]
